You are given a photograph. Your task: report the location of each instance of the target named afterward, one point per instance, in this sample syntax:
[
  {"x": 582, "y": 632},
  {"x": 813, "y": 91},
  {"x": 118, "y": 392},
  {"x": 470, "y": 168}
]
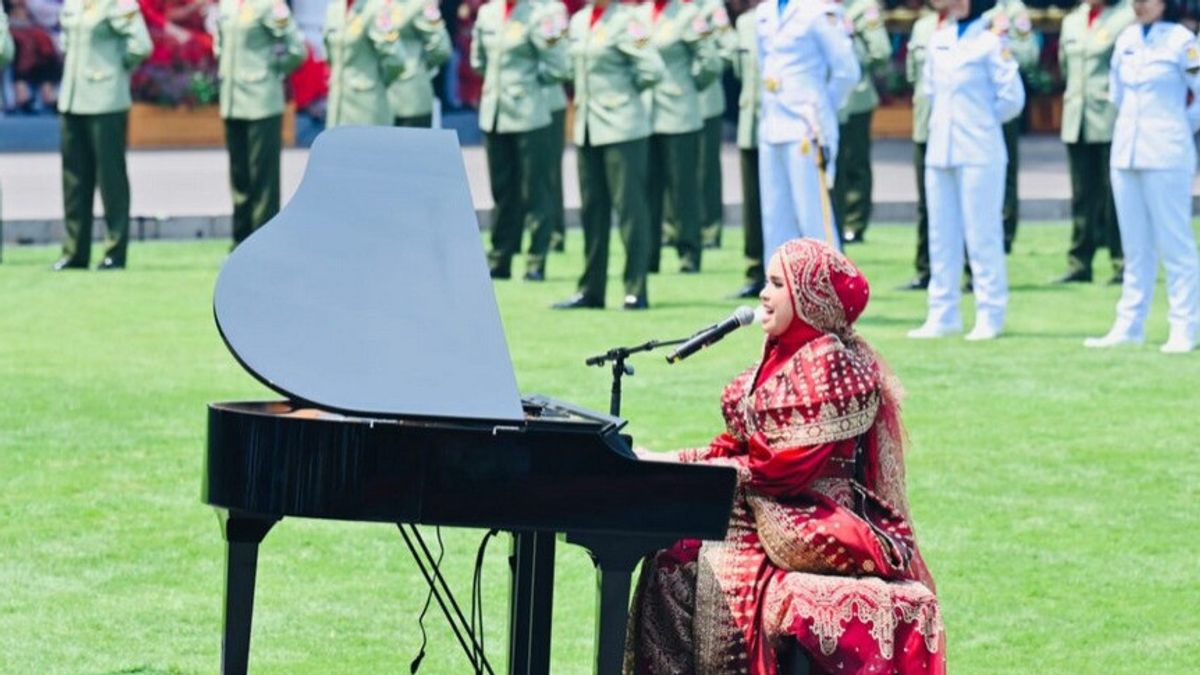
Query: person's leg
[
  {"x": 625, "y": 165},
  {"x": 683, "y": 187},
  {"x": 779, "y": 219},
  {"x": 981, "y": 198},
  {"x": 810, "y": 197},
  {"x": 945, "y": 252},
  {"x": 507, "y": 217},
  {"x": 595, "y": 216},
  {"x": 1169, "y": 200},
  {"x": 922, "y": 260},
  {"x": 415, "y": 121},
  {"x": 1141, "y": 259},
  {"x": 752, "y": 227},
  {"x": 79, "y": 188},
  {"x": 534, "y": 157},
  {"x": 1108, "y": 231},
  {"x": 1011, "y": 211},
  {"x": 238, "y": 146},
  {"x": 554, "y": 147},
  {"x": 1084, "y": 210},
  {"x": 108, "y": 143},
  {"x": 265, "y": 144},
  {"x": 656, "y": 187},
  {"x": 852, "y": 184},
  {"x": 712, "y": 206}
]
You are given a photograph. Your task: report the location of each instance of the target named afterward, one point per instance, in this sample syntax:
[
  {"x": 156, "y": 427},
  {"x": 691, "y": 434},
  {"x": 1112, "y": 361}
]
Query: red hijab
[{"x": 828, "y": 294}]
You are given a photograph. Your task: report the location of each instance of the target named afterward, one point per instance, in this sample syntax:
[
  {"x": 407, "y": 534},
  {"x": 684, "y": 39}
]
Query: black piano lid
[{"x": 369, "y": 292}]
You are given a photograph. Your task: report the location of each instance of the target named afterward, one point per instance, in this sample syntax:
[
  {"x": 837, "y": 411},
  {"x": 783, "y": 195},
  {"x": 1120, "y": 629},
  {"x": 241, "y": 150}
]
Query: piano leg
[
  {"x": 530, "y": 603},
  {"x": 615, "y": 557},
  {"x": 243, "y": 533}
]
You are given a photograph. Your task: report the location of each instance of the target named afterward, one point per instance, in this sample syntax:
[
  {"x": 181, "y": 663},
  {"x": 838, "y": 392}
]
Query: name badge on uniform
[
  {"x": 1102, "y": 35},
  {"x": 515, "y": 30},
  {"x": 356, "y": 27},
  {"x": 246, "y": 14}
]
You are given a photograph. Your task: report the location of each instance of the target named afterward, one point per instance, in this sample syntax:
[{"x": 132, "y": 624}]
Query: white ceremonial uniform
[
  {"x": 973, "y": 88},
  {"x": 807, "y": 66},
  {"x": 1152, "y": 163}
]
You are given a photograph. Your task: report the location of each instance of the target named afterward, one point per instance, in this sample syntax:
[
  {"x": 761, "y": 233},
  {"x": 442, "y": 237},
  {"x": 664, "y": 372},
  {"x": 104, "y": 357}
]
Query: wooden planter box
[
  {"x": 155, "y": 126},
  {"x": 894, "y": 120},
  {"x": 1045, "y": 114}
]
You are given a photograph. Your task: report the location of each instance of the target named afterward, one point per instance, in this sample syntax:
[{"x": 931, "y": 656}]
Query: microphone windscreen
[
  {"x": 759, "y": 312},
  {"x": 744, "y": 315}
]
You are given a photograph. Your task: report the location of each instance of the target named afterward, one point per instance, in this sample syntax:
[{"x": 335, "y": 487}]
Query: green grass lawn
[{"x": 1055, "y": 489}]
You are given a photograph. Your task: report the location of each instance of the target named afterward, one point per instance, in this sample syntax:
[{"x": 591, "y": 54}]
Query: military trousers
[
  {"x": 520, "y": 190},
  {"x": 795, "y": 201},
  {"x": 676, "y": 182},
  {"x": 255, "y": 149},
  {"x": 853, "y": 179},
  {"x": 1010, "y": 212},
  {"x": 612, "y": 177},
  {"x": 93, "y": 155},
  {"x": 752, "y": 231},
  {"x": 555, "y": 141},
  {"x": 1093, "y": 214},
  {"x": 712, "y": 207},
  {"x": 416, "y": 121},
  {"x": 922, "y": 261}
]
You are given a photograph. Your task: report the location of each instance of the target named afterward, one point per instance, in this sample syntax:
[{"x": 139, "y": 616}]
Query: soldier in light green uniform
[
  {"x": 519, "y": 49},
  {"x": 425, "y": 43},
  {"x": 362, "y": 46},
  {"x": 257, "y": 46},
  {"x": 914, "y": 65},
  {"x": 104, "y": 41},
  {"x": 745, "y": 66},
  {"x": 712, "y": 110},
  {"x": 613, "y": 62},
  {"x": 6, "y": 55},
  {"x": 556, "y": 137},
  {"x": 680, "y": 33},
  {"x": 1024, "y": 48},
  {"x": 1085, "y": 48},
  {"x": 853, "y": 177}
]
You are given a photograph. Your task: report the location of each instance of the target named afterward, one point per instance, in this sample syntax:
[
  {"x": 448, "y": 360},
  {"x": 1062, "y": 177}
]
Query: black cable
[
  {"x": 477, "y": 601},
  {"x": 416, "y": 663}
]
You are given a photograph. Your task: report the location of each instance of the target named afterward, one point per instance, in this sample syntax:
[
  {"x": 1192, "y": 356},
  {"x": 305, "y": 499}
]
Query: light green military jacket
[
  {"x": 745, "y": 67},
  {"x": 6, "y": 41},
  {"x": 725, "y": 41},
  {"x": 104, "y": 41},
  {"x": 690, "y": 60},
  {"x": 257, "y": 46},
  {"x": 362, "y": 45},
  {"x": 556, "y": 97},
  {"x": 1021, "y": 41},
  {"x": 914, "y": 67},
  {"x": 1084, "y": 55},
  {"x": 518, "y": 56},
  {"x": 425, "y": 43},
  {"x": 873, "y": 49},
  {"x": 612, "y": 63}
]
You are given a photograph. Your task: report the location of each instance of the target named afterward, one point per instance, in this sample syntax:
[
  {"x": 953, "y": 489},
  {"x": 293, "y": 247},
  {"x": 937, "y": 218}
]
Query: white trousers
[
  {"x": 964, "y": 205},
  {"x": 1154, "y": 213},
  {"x": 794, "y": 202}
]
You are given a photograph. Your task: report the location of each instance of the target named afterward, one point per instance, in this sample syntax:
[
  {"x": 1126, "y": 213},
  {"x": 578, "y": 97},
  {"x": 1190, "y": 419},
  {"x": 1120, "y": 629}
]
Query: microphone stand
[{"x": 618, "y": 355}]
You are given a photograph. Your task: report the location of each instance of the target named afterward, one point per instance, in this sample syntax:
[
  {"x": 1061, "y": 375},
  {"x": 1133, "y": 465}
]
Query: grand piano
[{"x": 367, "y": 305}]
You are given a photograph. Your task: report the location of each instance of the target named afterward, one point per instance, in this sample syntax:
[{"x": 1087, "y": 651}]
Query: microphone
[{"x": 741, "y": 316}]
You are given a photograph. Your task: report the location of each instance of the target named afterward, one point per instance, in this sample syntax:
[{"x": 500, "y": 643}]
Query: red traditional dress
[{"x": 820, "y": 547}]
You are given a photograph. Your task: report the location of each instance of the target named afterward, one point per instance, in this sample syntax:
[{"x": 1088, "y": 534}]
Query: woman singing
[
  {"x": 1154, "y": 84},
  {"x": 820, "y": 547}
]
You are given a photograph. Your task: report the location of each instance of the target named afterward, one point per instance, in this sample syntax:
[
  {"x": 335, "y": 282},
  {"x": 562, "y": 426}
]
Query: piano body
[{"x": 367, "y": 304}]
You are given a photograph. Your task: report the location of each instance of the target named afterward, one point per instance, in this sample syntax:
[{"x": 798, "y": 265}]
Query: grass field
[{"x": 1056, "y": 490}]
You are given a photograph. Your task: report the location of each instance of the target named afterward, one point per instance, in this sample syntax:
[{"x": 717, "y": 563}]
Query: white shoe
[
  {"x": 1112, "y": 339},
  {"x": 981, "y": 332},
  {"x": 929, "y": 331},
  {"x": 1177, "y": 344}
]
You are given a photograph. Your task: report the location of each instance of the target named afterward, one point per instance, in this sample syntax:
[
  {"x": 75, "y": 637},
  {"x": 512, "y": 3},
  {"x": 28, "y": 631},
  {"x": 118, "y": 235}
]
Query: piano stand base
[
  {"x": 615, "y": 557},
  {"x": 243, "y": 534}
]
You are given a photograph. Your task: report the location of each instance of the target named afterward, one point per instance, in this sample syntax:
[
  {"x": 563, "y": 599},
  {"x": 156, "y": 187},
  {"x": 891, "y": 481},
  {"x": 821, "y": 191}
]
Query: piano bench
[{"x": 793, "y": 660}]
